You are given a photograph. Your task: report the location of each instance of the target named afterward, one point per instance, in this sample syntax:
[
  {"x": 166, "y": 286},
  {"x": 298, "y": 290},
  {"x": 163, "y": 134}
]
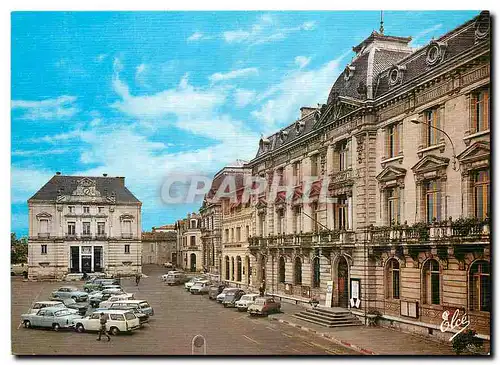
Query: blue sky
[{"x": 149, "y": 94}]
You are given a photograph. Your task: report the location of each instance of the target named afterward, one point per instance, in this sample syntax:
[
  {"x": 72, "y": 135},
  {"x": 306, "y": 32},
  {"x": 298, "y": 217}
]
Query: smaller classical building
[
  {"x": 189, "y": 246},
  {"x": 84, "y": 224},
  {"x": 159, "y": 245}
]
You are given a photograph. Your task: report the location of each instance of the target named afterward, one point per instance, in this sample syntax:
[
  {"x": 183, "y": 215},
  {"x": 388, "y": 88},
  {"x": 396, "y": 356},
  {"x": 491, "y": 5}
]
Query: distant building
[
  {"x": 189, "y": 247},
  {"x": 84, "y": 224},
  {"x": 159, "y": 246}
]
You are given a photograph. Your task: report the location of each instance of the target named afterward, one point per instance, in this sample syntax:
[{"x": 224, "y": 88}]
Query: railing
[
  {"x": 43, "y": 235},
  {"x": 461, "y": 229},
  {"x": 322, "y": 238},
  {"x": 341, "y": 177},
  {"x": 127, "y": 235}
]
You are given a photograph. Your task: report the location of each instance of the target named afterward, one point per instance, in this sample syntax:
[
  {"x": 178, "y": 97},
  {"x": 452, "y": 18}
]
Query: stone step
[
  {"x": 327, "y": 320},
  {"x": 332, "y": 315},
  {"x": 332, "y": 310},
  {"x": 326, "y": 325}
]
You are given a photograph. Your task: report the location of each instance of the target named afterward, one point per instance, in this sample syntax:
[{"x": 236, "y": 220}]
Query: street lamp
[{"x": 454, "y": 167}]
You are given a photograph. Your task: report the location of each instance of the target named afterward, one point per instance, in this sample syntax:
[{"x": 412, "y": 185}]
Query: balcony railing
[
  {"x": 322, "y": 238},
  {"x": 462, "y": 229},
  {"x": 44, "y": 235},
  {"x": 127, "y": 235}
]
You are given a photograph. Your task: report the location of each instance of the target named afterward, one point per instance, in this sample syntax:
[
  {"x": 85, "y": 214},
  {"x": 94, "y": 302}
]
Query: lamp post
[{"x": 454, "y": 167}]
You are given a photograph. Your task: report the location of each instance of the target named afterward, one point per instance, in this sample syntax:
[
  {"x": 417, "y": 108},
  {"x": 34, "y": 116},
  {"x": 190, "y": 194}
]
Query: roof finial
[{"x": 381, "y": 22}]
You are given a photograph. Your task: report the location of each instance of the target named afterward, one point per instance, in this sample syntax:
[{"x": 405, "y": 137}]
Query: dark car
[
  {"x": 215, "y": 290},
  {"x": 73, "y": 304},
  {"x": 232, "y": 296}
]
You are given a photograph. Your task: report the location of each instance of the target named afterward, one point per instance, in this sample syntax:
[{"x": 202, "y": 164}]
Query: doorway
[
  {"x": 193, "y": 262},
  {"x": 86, "y": 263},
  {"x": 342, "y": 278}
]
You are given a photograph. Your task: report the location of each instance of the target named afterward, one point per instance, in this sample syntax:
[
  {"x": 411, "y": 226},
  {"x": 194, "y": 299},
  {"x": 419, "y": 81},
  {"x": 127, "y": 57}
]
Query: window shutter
[
  {"x": 348, "y": 153},
  {"x": 425, "y": 129},
  {"x": 486, "y": 122},
  {"x": 400, "y": 138},
  {"x": 473, "y": 111},
  {"x": 387, "y": 142},
  {"x": 438, "y": 200}
]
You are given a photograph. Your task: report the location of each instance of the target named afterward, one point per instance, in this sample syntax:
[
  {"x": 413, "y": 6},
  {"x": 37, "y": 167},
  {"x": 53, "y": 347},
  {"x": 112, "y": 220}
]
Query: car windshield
[
  {"x": 230, "y": 296},
  {"x": 72, "y": 289},
  {"x": 260, "y": 301},
  {"x": 130, "y": 315},
  {"x": 63, "y": 312},
  {"x": 69, "y": 301},
  {"x": 246, "y": 297},
  {"x": 225, "y": 291},
  {"x": 144, "y": 305}
]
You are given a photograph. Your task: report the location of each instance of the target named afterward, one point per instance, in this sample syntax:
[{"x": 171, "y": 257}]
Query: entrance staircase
[{"x": 329, "y": 317}]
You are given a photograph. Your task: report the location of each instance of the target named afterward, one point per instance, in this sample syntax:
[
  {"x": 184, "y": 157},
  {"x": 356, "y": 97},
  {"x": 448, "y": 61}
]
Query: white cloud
[
  {"x": 58, "y": 138},
  {"x": 302, "y": 61},
  {"x": 281, "y": 102},
  {"x": 243, "y": 97},
  {"x": 140, "y": 69},
  {"x": 56, "y": 108},
  {"x": 30, "y": 153},
  {"x": 26, "y": 181},
  {"x": 422, "y": 37},
  {"x": 101, "y": 57},
  {"x": 244, "y": 72},
  {"x": 197, "y": 36},
  {"x": 265, "y": 29}
]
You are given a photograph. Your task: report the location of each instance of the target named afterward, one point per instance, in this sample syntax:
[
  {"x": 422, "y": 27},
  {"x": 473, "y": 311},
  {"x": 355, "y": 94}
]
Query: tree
[{"x": 18, "y": 249}]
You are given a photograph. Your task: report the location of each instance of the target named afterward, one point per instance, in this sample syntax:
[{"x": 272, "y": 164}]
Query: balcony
[
  {"x": 127, "y": 236},
  {"x": 101, "y": 236},
  {"x": 44, "y": 235},
  {"x": 310, "y": 239},
  {"x": 71, "y": 236},
  {"x": 462, "y": 230},
  {"x": 341, "y": 178}
]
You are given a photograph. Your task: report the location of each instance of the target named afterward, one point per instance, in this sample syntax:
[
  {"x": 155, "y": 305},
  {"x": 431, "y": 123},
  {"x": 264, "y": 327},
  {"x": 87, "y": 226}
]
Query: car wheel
[
  {"x": 74, "y": 298},
  {"x": 56, "y": 327},
  {"x": 27, "y": 324},
  {"x": 79, "y": 328},
  {"x": 114, "y": 331}
]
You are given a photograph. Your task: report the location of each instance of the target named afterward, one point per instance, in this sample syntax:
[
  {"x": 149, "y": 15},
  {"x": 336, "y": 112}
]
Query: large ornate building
[
  {"x": 402, "y": 150},
  {"x": 84, "y": 224}
]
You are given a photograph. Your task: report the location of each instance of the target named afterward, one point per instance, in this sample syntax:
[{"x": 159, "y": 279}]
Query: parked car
[
  {"x": 222, "y": 294},
  {"x": 200, "y": 287},
  {"x": 215, "y": 290},
  {"x": 245, "y": 301},
  {"x": 97, "y": 283},
  {"x": 174, "y": 277},
  {"x": 142, "y": 305},
  {"x": 70, "y": 292},
  {"x": 168, "y": 265},
  {"x": 191, "y": 282},
  {"x": 117, "y": 321},
  {"x": 264, "y": 306},
  {"x": 50, "y": 317},
  {"x": 44, "y": 304},
  {"x": 115, "y": 298},
  {"x": 98, "y": 297},
  {"x": 19, "y": 269},
  {"x": 143, "y": 317},
  {"x": 232, "y": 296},
  {"x": 81, "y": 308}
]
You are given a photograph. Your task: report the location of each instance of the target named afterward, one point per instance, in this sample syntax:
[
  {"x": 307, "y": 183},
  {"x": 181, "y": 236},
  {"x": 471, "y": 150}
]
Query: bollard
[{"x": 198, "y": 341}]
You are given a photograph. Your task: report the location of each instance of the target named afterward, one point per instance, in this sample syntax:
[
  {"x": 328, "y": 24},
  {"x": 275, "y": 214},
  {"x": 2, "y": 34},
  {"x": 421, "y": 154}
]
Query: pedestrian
[
  {"x": 102, "y": 329},
  {"x": 262, "y": 288},
  {"x": 137, "y": 279}
]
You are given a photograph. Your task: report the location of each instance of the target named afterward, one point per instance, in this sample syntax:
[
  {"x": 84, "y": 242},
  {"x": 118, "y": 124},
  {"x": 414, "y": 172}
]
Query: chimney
[
  {"x": 305, "y": 110},
  {"x": 58, "y": 173},
  {"x": 104, "y": 175},
  {"x": 121, "y": 179}
]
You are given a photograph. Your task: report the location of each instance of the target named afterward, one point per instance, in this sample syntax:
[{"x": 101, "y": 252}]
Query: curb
[{"x": 328, "y": 337}]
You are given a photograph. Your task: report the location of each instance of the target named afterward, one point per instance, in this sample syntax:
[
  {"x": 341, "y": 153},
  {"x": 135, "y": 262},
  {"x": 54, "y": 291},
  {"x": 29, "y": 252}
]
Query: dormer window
[
  {"x": 349, "y": 72},
  {"x": 283, "y": 136},
  {"x": 299, "y": 126},
  {"x": 435, "y": 53},
  {"x": 396, "y": 75},
  {"x": 264, "y": 144}
]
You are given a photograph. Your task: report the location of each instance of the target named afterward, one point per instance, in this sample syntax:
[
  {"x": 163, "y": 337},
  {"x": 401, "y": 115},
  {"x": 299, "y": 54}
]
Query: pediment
[
  {"x": 43, "y": 215},
  {"x": 430, "y": 163},
  {"x": 477, "y": 151},
  {"x": 391, "y": 173},
  {"x": 336, "y": 108},
  {"x": 126, "y": 216}
]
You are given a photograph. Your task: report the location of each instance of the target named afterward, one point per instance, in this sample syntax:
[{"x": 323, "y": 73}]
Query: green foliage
[
  {"x": 464, "y": 225},
  {"x": 466, "y": 341},
  {"x": 423, "y": 230},
  {"x": 18, "y": 249}
]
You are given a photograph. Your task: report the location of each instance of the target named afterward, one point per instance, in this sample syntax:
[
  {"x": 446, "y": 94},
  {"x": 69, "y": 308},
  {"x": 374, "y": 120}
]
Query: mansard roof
[{"x": 60, "y": 185}]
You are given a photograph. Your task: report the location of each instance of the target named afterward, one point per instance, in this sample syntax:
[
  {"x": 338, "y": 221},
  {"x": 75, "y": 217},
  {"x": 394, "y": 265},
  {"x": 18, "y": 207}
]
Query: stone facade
[
  {"x": 402, "y": 148},
  {"x": 189, "y": 244},
  {"x": 159, "y": 246},
  {"x": 84, "y": 224}
]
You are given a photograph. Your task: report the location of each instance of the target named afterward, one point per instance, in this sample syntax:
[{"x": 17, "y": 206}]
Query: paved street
[{"x": 178, "y": 317}]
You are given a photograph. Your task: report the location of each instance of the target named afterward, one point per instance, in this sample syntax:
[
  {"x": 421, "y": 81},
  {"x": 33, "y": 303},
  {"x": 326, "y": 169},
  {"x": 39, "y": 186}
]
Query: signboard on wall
[
  {"x": 355, "y": 293},
  {"x": 329, "y": 293}
]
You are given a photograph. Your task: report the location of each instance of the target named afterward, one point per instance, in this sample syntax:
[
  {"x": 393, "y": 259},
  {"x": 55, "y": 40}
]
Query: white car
[
  {"x": 44, "y": 304},
  {"x": 165, "y": 276},
  {"x": 245, "y": 301},
  {"x": 200, "y": 287},
  {"x": 118, "y": 321},
  {"x": 115, "y": 298},
  {"x": 221, "y": 296}
]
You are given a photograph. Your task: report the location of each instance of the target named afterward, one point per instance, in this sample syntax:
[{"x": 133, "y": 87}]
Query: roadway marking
[
  {"x": 271, "y": 328},
  {"x": 251, "y": 339},
  {"x": 286, "y": 334},
  {"x": 34, "y": 300}
]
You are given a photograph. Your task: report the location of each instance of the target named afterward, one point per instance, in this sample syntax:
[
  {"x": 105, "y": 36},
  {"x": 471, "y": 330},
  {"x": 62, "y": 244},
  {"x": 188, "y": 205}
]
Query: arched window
[
  {"x": 480, "y": 287},
  {"x": 431, "y": 280},
  {"x": 226, "y": 260},
  {"x": 238, "y": 268},
  {"x": 281, "y": 278},
  {"x": 316, "y": 272},
  {"x": 298, "y": 271},
  {"x": 393, "y": 279}
]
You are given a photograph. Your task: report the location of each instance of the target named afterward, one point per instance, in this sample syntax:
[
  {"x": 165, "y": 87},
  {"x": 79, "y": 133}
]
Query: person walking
[
  {"x": 102, "y": 329},
  {"x": 137, "y": 279},
  {"x": 262, "y": 288}
]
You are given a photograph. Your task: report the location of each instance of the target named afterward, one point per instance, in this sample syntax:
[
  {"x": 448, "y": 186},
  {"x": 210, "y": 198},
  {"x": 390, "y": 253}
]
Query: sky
[{"x": 148, "y": 95}]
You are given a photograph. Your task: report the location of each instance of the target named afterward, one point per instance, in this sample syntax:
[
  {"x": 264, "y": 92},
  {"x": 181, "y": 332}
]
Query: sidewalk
[{"x": 366, "y": 340}]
